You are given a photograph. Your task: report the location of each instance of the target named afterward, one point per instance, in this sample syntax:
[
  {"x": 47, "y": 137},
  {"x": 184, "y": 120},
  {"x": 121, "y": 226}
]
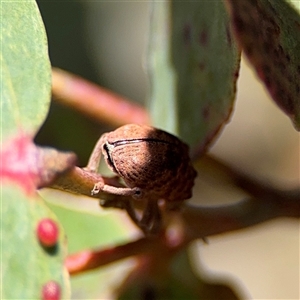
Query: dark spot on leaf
[
  {"x": 187, "y": 34},
  {"x": 201, "y": 66},
  {"x": 228, "y": 35},
  {"x": 203, "y": 38},
  {"x": 206, "y": 113}
]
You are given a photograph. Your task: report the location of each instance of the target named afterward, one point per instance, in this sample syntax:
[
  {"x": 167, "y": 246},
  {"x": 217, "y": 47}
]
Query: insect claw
[{"x": 97, "y": 188}]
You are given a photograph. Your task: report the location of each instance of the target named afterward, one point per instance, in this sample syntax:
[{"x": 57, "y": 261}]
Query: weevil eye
[{"x": 107, "y": 154}]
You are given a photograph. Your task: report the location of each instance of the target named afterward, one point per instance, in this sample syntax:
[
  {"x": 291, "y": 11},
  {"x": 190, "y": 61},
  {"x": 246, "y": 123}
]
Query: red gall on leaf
[
  {"x": 47, "y": 232},
  {"x": 51, "y": 291}
]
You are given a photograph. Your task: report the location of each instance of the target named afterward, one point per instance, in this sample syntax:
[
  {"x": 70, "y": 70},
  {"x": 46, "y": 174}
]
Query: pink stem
[{"x": 95, "y": 101}]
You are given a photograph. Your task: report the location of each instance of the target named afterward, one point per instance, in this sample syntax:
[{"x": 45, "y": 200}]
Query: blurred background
[{"x": 105, "y": 42}]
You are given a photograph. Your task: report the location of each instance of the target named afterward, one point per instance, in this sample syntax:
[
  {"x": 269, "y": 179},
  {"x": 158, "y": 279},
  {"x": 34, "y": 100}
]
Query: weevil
[{"x": 154, "y": 165}]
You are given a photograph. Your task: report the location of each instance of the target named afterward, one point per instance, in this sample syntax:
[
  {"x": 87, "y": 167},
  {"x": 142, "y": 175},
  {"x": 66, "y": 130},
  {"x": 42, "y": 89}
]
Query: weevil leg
[
  {"x": 150, "y": 222},
  {"x": 131, "y": 211},
  {"x": 147, "y": 214},
  {"x": 118, "y": 191},
  {"x": 95, "y": 158},
  {"x": 151, "y": 219},
  {"x": 156, "y": 220},
  {"x": 115, "y": 203}
]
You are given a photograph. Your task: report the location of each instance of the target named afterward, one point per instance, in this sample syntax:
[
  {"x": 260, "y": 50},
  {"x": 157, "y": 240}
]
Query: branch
[
  {"x": 94, "y": 101},
  {"x": 81, "y": 182},
  {"x": 202, "y": 222},
  {"x": 196, "y": 223},
  {"x": 191, "y": 222},
  {"x": 89, "y": 260},
  {"x": 256, "y": 188}
]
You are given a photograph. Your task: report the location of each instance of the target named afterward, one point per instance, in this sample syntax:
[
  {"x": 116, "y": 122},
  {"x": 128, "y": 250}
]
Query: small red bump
[
  {"x": 51, "y": 291},
  {"x": 47, "y": 232}
]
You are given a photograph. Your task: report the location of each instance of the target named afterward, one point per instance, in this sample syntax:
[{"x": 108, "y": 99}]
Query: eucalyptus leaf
[
  {"x": 193, "y": 65},
  {"x": 26, "y": 266},
  {"x": 25, "y": 68},
  {"x": 269, "y": 34},
  {"x": 90, "y": 227}
]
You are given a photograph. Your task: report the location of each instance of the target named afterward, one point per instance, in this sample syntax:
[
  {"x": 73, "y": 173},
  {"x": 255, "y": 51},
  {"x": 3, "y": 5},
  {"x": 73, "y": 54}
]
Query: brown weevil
[{"x": 153, "y": 164}]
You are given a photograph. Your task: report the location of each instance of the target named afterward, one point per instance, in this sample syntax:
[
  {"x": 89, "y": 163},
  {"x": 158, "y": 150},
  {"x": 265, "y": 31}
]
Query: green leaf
[
  {"x": 26, "y": 265},
  {"x": 89, "y": 227},
  {"x": 92, "y": 229},
  {"x": 193, "y": 66},
  {"x": 96, "y": 230},
  {"x": 25, "y": 68},
  {"x": 269, "y": 33}
]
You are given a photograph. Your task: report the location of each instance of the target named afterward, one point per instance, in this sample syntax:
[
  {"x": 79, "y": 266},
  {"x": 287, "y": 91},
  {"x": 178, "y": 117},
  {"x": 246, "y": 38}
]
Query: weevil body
[
  {"x": 153, "y": 163},
  {"x": 151, "y": 159}
]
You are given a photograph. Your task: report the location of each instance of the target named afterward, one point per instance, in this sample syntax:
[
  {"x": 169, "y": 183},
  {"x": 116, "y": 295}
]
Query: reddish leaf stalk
[
  {"x": 88, "y": 260},
  {"x": 208, "y": 221},
  {"x": 94, "y": 101},
  {"x": 199, "y": 222}
]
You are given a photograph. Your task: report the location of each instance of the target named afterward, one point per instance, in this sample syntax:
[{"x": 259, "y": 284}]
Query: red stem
[{"x": 95, "y": 101}]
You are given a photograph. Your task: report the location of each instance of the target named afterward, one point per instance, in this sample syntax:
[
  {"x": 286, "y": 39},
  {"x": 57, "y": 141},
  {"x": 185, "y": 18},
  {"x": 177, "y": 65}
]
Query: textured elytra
[{"x": 152, "y": 160}]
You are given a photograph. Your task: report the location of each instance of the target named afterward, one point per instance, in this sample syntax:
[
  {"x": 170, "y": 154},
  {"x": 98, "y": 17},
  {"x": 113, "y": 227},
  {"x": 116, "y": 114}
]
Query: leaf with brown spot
[
  {"x": 269, "y": 34},
  {"x": 193, "y": 65}
]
